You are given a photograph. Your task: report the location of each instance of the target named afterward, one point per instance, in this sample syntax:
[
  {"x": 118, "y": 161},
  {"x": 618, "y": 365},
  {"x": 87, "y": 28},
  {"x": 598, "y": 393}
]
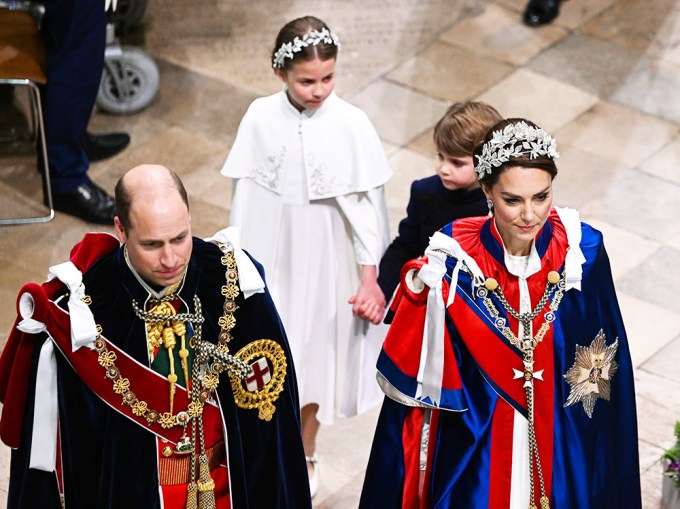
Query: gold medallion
[
  {"x": 264, "y": 383},
  {"x": 590, "y": 376}
]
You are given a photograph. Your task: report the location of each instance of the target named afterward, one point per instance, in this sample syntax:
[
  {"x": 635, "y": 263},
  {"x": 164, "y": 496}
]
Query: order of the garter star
[{"x": 590, "y": 376}]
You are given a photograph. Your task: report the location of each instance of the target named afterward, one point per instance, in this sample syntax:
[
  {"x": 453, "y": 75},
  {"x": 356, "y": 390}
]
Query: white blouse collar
[{"x": 306, "y": 113}]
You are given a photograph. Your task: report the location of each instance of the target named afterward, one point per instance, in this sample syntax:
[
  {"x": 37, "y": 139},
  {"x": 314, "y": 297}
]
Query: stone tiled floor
[{"x": 604, "y": 79}]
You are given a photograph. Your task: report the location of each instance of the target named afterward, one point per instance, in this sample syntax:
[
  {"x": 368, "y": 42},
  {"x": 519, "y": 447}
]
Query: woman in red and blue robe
[{"x": 481, "y": 413}]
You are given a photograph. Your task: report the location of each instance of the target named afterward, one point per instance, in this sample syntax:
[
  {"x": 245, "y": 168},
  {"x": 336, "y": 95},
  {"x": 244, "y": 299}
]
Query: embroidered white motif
[
  {"x": 321, "y": 182},
  {"x": 269, "y": 174}
]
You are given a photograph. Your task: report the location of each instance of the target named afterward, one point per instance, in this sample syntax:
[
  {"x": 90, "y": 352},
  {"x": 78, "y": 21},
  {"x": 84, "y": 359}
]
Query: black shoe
[
  {"x": 103, "y": 146},
  {"x": 540, "y": 12},
  {"x": 88, "y": 201}
]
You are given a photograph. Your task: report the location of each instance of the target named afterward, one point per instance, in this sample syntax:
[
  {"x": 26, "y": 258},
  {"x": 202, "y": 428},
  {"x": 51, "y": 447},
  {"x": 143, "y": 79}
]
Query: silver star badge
[{"x": 590, "y": 376}]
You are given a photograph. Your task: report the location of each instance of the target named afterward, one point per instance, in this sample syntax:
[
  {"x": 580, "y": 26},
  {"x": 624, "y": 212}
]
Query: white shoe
[{"x": 314, "y": 480}]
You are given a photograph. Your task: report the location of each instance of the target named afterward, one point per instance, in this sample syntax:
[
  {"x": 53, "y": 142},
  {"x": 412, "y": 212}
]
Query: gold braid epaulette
[{"x": 266, "y": 392}]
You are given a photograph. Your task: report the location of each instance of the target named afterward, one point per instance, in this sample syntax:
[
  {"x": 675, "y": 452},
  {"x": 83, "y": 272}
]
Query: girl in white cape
[{"x": 308, "y": 198}]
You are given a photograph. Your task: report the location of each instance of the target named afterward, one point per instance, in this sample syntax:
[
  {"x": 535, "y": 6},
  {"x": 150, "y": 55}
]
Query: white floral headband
[
  {"x": 513, "y": 141},
  {"x": 288, "y": 49}
]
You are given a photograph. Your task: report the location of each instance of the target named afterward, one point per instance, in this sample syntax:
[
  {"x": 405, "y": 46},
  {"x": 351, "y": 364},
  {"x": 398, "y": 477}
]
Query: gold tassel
[
  {"x": 206, "y": 486},
  {"x": 169, "y": 342},
  {"x": 183, "y": 356},
  {"x": 545, "y": 502},
  {"x": 180, "y": 329},
  {"x": 192, "y": 496}
]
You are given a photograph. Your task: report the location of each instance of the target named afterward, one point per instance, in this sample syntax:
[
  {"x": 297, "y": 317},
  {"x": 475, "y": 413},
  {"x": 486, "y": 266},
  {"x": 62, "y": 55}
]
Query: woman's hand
[{"x": 369, "y": 301}]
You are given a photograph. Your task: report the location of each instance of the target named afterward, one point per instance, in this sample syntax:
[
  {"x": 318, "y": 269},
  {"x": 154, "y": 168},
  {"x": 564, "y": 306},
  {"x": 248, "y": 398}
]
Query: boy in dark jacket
[{"x": 450, "y": 194}]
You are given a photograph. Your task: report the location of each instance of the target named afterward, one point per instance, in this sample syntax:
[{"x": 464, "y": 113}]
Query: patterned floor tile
[
  {"x": 498, "y": 33},
  {"x": 665, "y": 362},
  {"x": 626, "y": 249},
  {"x": 572, "y": 14},
  {"x": 652, "y": 87},
  {"x": 649, "y": 327},
  {"x": 449, "y": 73},
  {"x": 663, "y": 164},
  {"x": 619, "y": 134},
  {"x": 415, "y": 111},
  {"x": 657, "y": 404},
  {"x": 546, "y": 101},
  {"x": 591, "y": 64},
  {"x": 649, "y": 281},
  {"x": 621, "y": 205},
  {"x": 633, "y": 25}
]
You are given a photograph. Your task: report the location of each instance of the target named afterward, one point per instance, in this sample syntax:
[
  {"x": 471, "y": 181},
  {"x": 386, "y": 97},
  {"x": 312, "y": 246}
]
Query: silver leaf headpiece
[
  {"x": 513, "y": 141},
  {"x": 288, "y": 49}
]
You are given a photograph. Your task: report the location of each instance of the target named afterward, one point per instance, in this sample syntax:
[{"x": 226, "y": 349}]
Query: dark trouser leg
[{"x": 74, "y": 33}]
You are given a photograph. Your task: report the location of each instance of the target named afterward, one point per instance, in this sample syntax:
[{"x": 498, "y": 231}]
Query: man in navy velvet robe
[{"x": 141, "y": 401}]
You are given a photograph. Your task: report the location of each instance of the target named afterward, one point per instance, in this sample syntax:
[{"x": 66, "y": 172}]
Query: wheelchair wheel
[
  {"x": 127, "y": 14},
  {"x": 129, "y": 81}
]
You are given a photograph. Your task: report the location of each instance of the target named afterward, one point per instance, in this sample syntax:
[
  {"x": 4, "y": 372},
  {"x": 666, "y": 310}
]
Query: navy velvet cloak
[
  {"x": 590, "y": 462},
  {"x": 109, "y": 461}
]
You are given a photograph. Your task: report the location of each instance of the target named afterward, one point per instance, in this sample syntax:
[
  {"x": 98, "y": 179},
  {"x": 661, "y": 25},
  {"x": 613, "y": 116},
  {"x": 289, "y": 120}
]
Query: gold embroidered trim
[{"x": 140, "y": 408}]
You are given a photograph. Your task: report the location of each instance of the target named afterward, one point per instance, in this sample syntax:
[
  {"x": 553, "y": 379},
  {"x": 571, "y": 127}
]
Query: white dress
[{"x": 310, "y": 206}]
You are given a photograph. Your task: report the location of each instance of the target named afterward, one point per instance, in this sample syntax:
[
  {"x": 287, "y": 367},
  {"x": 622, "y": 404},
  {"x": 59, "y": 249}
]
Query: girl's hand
[{"x": 369, "y": 301}]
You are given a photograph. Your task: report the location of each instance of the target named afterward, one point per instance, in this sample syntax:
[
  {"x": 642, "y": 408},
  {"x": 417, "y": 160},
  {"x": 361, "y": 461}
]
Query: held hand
[{"x": 369, "y": 302}]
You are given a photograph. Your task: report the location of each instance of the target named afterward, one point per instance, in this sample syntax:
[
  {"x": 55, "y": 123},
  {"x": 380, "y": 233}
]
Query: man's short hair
[{"x": 124, "y": 198}]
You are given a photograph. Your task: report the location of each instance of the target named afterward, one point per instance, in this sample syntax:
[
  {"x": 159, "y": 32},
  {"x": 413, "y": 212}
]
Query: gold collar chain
[{"x": 555, "y": 284}]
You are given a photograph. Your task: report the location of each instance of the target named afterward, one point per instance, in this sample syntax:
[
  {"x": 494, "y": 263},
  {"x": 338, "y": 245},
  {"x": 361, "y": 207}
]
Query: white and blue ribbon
[{"x": 431, "y": 369}]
